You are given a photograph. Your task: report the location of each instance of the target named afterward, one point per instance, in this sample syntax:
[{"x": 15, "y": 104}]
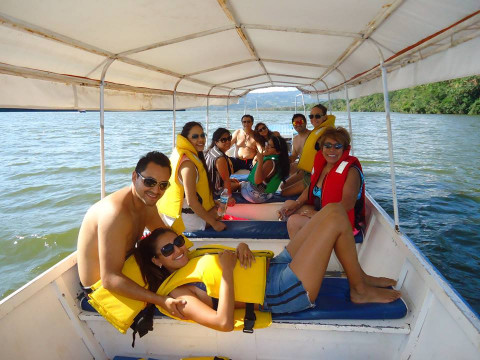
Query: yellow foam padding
[
  {"x": 249, "y": 284},
  {"x": 117, "y": 309},
  {"x": 307, "y": 156}
]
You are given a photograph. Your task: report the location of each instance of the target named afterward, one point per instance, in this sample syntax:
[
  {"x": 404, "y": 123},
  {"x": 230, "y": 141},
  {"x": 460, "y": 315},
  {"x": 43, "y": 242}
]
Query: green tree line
[{"x": 458, "y": 96}]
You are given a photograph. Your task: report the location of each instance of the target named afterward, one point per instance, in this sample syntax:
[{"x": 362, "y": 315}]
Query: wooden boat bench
[
  {"x": 251, "y": 229},
  {"x": 333, "y": 303}
]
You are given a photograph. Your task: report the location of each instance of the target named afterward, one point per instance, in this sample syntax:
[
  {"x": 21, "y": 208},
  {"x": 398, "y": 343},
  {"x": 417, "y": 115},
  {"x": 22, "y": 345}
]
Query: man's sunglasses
[
  {"x": 151, "y": 182},
  {"x": 225, "y": 139},
  {"x": 168, "y": 249},
  {"x": 196, "y": 136},
  {"x": 316, "y": 116},
  {"x": 262, "y": 129},
  {"x": 298, "y": 122}
]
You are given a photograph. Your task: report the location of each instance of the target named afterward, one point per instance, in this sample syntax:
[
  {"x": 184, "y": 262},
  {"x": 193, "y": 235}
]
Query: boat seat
[
  {"x": 239, "y": 199},
  {"x": 245, "y": 230},
  {"x": 240, "y": 177},
  {"x": 333, "y": 302},
  {"x": 250, "y": 229}
]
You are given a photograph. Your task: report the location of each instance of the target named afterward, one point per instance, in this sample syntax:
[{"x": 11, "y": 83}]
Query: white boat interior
[{"x": 164, "y": 55}]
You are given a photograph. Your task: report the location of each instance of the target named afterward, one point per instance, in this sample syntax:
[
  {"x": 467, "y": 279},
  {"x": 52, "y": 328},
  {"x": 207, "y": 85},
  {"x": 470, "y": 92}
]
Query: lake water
[{"x": 50, "y": 176}]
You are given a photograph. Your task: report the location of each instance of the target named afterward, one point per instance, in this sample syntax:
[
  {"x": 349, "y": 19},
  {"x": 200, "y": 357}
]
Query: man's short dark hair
[
  {"x": 321, "y": 107},
  {"x": 153, "y": 156},
  {"x": 299, "y": 116},
  {"x": 248, "y": 116}
]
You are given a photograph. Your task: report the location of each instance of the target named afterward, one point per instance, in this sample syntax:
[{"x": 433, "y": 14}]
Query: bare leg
[
  {"x": 297, "y": 221},
  {"x": 294, "y": 189},
  {"x": 311, "y": 250},
  {"x": 292, "y": 179}
]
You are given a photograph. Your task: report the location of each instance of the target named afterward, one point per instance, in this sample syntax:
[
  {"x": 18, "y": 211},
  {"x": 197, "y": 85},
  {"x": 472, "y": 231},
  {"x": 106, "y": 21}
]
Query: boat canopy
[{"x": 54, "y": 54}]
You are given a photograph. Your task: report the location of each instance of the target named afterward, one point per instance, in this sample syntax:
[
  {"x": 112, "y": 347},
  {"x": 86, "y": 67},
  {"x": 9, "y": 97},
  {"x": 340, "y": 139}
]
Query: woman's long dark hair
[
  {"x": 146, "y": 249},
  {"x": 185, "y": 131},
  {"x": 259, "y": 138},
  {"x": 217, "y": 135},
  {"x": 281, "y": 146}
]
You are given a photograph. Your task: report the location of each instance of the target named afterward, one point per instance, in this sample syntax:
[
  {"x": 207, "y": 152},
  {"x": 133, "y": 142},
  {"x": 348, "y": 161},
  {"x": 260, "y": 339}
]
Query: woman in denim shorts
[{"x": 293, "y": 277}]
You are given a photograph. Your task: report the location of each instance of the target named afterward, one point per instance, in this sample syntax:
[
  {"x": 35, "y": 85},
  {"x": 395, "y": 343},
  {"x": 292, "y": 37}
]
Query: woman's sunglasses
[
  {"x": 337, "y": 146},
  {"x": 225, "y": 139},
  {"x": 151, "y": 182},
  {"x": 168, "y": 249},
  {"x": 316, "y": 116},
  {"x": 196, "y": 136},
  {"x": 262, "y": 129}
]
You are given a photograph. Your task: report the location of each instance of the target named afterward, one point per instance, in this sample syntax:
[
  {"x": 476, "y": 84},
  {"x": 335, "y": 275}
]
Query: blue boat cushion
[
  {"x": 245, "y": 229},
  {"x": 251, "y": 229},
  {"x": 333, "y": 302},
  {"x": 239, "y": 199}
]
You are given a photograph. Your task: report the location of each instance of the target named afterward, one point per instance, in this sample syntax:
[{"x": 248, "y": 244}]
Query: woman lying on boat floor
[{"x": 293, "y": 278}]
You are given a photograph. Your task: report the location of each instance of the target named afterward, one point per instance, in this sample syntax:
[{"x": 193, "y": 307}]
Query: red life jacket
[{"x": 332, "y": 187}]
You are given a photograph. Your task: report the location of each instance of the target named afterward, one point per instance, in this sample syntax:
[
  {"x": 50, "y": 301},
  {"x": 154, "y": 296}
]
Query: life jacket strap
[{"x": 250, "y": 317}]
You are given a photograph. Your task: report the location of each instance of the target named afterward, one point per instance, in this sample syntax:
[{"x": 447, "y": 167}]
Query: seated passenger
[
  {"x": 245, "y": 145},
  {"x": 187, "y": 204},
  {"x": 293, "y": 278},
  {"x": 219, "y": 166},
  {"x": 299, "y": 123},
  {"x": 336, "y": 177},
  {"x": 261, "y": 134},
  {"x": 320, "y": 121},
  {"x": 271, "y": 168}
]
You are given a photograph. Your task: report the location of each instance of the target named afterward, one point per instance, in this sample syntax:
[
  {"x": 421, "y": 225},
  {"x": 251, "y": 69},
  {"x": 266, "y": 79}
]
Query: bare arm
[
  {"x": 295, "y": 153},
  {"x": 153, "y": 219},
  {"x": 351, "y": 189},
  {"x": 222, "y": 167},
  {"x": 234, "y": 136},
  {"x": 114, "y": 230},
  {"x": 196, "y": 310},
  {"x": 263, "y": 169},
  {"x": 188, "y": 173}
]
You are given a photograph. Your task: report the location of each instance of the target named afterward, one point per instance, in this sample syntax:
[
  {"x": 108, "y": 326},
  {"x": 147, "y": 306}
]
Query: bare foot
[
  {"x": 372, "y": 294},
  {"x": 378, "y": 281}
]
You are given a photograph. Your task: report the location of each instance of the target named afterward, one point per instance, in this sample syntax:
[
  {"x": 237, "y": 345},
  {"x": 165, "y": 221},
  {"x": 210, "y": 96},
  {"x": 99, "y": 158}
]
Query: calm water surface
[{"x": 50, "y": 176}]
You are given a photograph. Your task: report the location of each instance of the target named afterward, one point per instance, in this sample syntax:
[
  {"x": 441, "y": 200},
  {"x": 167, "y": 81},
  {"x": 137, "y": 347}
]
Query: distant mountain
[{"x": 270, "y": 100}]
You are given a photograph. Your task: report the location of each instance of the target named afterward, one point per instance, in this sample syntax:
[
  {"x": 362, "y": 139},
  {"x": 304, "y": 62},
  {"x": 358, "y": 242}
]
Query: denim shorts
[
  {"x": 284, "y": 292},
  {"x": 252, "y": 194}
]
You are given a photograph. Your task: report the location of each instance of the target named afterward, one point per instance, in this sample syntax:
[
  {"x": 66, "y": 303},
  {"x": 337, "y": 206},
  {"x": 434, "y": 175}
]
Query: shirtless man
[
  {"x": 300, "y": 125},
  {"x": 112, "y": 227},
  {"x": 245, "y": 145}
]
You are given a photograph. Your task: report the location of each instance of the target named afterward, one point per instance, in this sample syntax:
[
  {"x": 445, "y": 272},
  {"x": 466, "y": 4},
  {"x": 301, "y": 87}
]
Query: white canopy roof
[{"x": 53, "y": 52}]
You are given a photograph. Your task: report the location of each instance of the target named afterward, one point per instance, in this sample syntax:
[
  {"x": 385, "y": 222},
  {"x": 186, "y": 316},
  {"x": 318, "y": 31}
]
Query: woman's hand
[
  {"x": 289, "y": 209},
  {"x": 173, "y": 306},
  {"x": 245, "y": 255},
  {"x": 308, "y": 213},
  {"x": 219, "y": 226},
  {"x": 228, "y": 259}
]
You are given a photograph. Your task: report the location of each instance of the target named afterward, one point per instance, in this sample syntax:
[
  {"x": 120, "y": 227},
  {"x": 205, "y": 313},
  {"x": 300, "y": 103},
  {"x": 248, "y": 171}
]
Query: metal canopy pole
[
  {"x": 316, "y": 92},
  {"x": 389, "y": 135},
  {"x": 228, "y": 114},
  {"x": 245, "y": 106},
  {"x": 102, "y": 128},
  {"x": 348, "y": 108},
  {"x": 208, "y": 113},
  {"x": 328, "y": 93},
  {"x": 175, "y": 112},
  {"x": 303, "y": 102}
]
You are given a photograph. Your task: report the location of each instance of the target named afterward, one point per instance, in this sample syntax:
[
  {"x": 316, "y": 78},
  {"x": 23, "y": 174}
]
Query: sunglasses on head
[
  {"x": 262, "y": 129},
  {"x": 316, "y": 116},
  {"x": 168, "y": 249},
  {"x": 151, "y": 182},
  {"x": 223, "y": 140},
  {"x": 196, "y": 136}
]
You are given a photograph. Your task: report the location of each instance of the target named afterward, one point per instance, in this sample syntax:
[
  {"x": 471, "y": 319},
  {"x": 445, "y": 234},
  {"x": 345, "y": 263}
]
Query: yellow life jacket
[
  {"x": 170, "y": 203},
  {"x": 249, "y": 284},
  {"x": 117, "y": 309},
  {"x": 308, "y": 153}
]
